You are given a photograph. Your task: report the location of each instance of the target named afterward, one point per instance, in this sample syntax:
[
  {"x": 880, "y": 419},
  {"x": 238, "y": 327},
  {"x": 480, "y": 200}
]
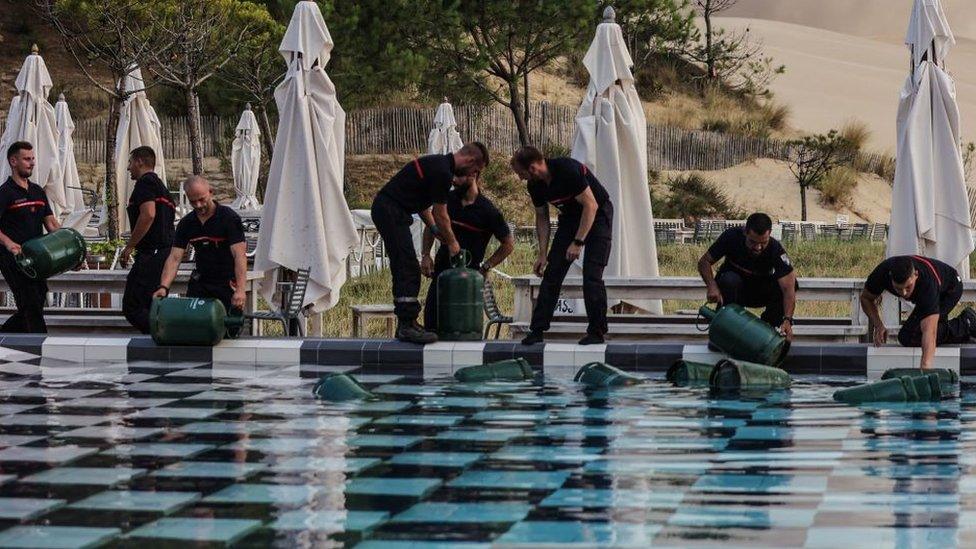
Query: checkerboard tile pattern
[{"x": 154, "y": 452}]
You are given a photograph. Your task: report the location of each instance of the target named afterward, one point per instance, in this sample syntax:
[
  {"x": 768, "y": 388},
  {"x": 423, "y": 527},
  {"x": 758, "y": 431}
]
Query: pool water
[{"x": 166, "y": 454}]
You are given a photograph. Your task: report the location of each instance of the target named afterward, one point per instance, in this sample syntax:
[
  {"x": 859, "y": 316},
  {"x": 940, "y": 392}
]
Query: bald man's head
[{"x": 199, "y": 194}]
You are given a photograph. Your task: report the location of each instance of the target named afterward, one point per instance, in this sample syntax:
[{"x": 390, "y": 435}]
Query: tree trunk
[
  {"x": 196, "y": 145},
  {"x": 267, "y": 142},
  {"x": 267, "y": 137},
  {"x": 525, "y": 100},
  {"x": 111, "y": 196},
  {"x": 709, "y": 46},
  {"x": 803, "y": 203},
  {"x": 515, "y": 105}
]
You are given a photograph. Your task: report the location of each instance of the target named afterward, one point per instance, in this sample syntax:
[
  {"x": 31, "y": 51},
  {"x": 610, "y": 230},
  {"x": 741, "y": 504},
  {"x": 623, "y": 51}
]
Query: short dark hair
[
  {"x": 759, "y": 223},
  {"x": 18, "y": 146},
  {"x": 478, "y": 151},
  {"x": 526, "y": 156},
  {"x": 900, "y": 269},
  {"x": 144, "y": 155}
]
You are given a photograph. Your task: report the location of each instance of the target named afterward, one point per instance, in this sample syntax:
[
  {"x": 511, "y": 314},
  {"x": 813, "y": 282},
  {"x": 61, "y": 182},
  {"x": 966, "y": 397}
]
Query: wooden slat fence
[{"x": 404, "y": 130}]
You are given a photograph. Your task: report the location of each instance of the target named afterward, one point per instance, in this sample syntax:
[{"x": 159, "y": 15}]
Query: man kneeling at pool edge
[{"x": 934, "y": 288}]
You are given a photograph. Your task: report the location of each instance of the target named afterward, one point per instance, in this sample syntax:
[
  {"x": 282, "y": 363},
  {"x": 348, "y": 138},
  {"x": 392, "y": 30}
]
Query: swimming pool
[{"x": 162, "y": 453}]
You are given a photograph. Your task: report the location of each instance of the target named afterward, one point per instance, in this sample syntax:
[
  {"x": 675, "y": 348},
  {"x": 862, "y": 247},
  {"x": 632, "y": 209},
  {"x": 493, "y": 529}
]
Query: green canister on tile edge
[
  {"x": 191, "y": 321},
  {"x": 341, "y": 387},
  {"x": 744, "y": 336},
  {"x": 460, "y": 301},
  {"x": 52, "y": 254},
  {"x": 598, "y": 374},
  {"x": 517, "y": 369},
  {"x": 684, "y": 372},
  {"x": 738, "y": 374},
  {"x": 945, "y": 375}
]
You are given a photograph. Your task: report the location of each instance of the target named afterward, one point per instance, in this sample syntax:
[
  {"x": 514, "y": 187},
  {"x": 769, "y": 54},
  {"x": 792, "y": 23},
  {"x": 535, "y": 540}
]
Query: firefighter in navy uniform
[
  {"x": 151, "y": 213},
  {"x": 217, "y": 235},
  {"x": 420, "y": 187},
  {"x": 24, "y": 215},
  {"x": 935, "y": 288},
  {"x": 757, "y": 272},
  {"x": 585, "y": 228},
  {"x": 475, "y": 220}
]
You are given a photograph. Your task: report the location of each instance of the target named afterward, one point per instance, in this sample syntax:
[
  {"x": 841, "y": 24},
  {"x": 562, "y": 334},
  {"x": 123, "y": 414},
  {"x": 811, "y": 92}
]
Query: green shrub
[{"x": 693, "y": 196}]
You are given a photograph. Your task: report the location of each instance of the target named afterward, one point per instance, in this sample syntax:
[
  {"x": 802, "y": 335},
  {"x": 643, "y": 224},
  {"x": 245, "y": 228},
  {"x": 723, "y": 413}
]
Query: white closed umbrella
[
  {"x": 611, "y": 139},
  {"x": 306, "y": 221},
  {"x": 930, "y": 206},
  {"x": 444, "y": 137},
  {"x": 73, "y": 197},
  {"x": 245, "y": 161},
  {"x": 31, "y": 118},
  {"x": 138, "y": 126}
]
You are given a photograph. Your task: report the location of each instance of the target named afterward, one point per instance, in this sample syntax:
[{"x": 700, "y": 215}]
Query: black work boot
[
  {"x": 968, "y": 316},
  {"x": 592, "y": 339},
  {"x": 410, "y": 331},
  {"x": 532, "y": 338}
]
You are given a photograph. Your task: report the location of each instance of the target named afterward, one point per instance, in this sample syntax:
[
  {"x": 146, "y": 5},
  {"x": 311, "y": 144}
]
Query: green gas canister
[
  {"x": 598, "y": 374},
  {"x": 338, "y": 387},
  {"x": 517, "y": 369},
  {"x": 191, "y": 321},
  {"x": 744, "y": 336},
  {"x": 738, "y": 374},
  {"x": 460, "y": 301},
  {"x": 686, "y": 372},
  {"x": 52, "y": 254}
]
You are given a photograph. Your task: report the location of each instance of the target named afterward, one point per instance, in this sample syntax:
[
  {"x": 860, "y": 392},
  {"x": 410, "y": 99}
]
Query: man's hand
[
  {"x": 160, "y": 292},
  {"x": 237, "y": 300},
  {"x": 14, "y": 248},
  {"x": 126, "y": 256},
  {"x": 427, "y": 266},
  {"x": 454, "y": 248},
  {"x": 540, "y": 266},
  {"x": 787, "y": 330},
  {"x": 880, "y": 335},
  {"x": 713, "y": 294},
  {"x": 573, "y": 252}
]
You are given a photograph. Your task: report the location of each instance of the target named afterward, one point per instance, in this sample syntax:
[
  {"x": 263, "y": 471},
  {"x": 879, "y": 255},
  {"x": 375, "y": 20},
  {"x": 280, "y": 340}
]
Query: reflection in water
[{"x": 247, "y": 456}]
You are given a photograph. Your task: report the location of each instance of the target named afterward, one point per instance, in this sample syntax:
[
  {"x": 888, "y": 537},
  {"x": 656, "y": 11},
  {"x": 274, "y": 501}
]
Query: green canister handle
[
  {"x": 24, "y": 263},
  {"x": 461, "y": 260}
]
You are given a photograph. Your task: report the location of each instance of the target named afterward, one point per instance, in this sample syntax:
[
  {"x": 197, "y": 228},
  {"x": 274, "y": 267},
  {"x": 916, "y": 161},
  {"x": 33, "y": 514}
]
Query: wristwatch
[
  {"x": 484, "y": 267},
  {"x": 579, "y": 242},
  {"x": 789, "y": 318}
]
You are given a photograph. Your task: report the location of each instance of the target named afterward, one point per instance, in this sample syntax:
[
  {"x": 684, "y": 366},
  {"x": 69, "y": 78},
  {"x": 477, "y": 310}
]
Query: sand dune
[
  {"x": 832, "y": 77},
  {"x": 881, "y": 19}
]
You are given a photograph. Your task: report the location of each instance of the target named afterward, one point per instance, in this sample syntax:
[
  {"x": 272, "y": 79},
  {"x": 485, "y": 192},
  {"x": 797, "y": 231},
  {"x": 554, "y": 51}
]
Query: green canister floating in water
[
  {"x": 598, "y": 374},
  {"x": 460, "y": 301},
  {"x": 744, "y": 336},
  {"x": 685, "y": 372},
  {"x": 191, "y": 321},
  {"x": 946, "y": 375},
  {"x": 737, "y": 374},
  {"x": 506, "y": 370},
  {"x": 341, "y": 388},
  {"x": 52, "y": 254},
  {"x": 896, "y": 389}
]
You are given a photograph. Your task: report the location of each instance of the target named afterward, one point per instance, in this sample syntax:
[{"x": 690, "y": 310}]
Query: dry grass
[
  {"x": 719, "y": 111},
  {"x": 857, "y": 134},
  {"x": 837, "y": 187}
]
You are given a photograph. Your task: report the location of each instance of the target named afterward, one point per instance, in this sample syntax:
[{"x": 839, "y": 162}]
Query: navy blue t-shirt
[
  {"x": 473, "y": 226},
  {"x": 212, "y": 241},
  {"x": 422, "y": 182},
  {"x": 569, "y": 178},
  {"x": 22, "y": 211}
]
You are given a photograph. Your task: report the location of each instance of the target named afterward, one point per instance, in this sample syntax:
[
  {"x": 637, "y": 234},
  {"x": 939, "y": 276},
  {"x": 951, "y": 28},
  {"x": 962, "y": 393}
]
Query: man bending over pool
[{"x": 934, "y": 288}]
